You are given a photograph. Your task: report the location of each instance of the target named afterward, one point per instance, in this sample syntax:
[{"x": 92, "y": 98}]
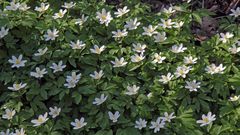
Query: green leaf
[
  {"x": 44, "y": 94},
  {"x": 61, "y": 95},
  {"x": 128, "y": 131},
  {"x": 77, "y": 97},
  {"x": 197, "y": 18},
  {"x": 86, "y": 90},
  {"x": 187, "y": 119},
  {"x": 103, "y": 132},
  {"x": 72, "y": 62},
  {"x": 104, "y": 123},
  {"x": 226, "y": 110}
]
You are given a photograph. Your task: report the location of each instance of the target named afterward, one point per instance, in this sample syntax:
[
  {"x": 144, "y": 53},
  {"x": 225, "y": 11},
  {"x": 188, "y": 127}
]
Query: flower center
[
  {"x": 51, "y": 35},
  {"x": 55, "y": 113},
  {"x": 98, "y": 50},
  {"x": 40, "y": 120},
  {"x": 60, "y": 15},
  {"x": 150, "y": 30},
  {"x": 181, "y": 72},
  {"x": 206, "y": 120},
  {"x": 9, "y": 114},
  {"x": 17, "y": 86},
  {"x": 168, "y": 23},
  {"x": 104, "y": 17},
  {"x": 138, "y": 58},
  {"x": 18, "y": 61},
  {"x": 79, "y": 124},
  {"x": 119, "y": 63}
]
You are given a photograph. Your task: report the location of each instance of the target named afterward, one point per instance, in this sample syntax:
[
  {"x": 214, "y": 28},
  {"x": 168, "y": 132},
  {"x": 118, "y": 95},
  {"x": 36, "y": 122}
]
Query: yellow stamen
[
  {"x": 206, "y": 120},
  {"x": 104, "y": 17},
  {"x": 18, "y": 61},
  {"x": 40, "y": 120}
]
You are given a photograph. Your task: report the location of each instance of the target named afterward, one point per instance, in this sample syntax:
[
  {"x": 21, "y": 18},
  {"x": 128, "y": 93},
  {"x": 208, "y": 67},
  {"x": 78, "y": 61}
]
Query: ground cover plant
[{"x": 92, "y": 68}]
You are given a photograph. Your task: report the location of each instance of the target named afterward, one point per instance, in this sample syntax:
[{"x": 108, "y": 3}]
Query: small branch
[
  {"x": 232, "y": 5},
  {"x": 203, "y": 2}
]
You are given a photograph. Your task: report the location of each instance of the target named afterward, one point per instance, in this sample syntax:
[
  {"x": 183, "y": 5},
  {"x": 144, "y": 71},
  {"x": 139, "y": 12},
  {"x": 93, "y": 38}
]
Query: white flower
[
  {"x": 42, "y": 8},
  {"x": 190, "y": 60},
  {"x": 39, "y": 73},
  {"x": 17, "y": 62},
  {"x": 23, "y": 7},
  {"x": 170, "y": 10},
  {"x": 54, "y": 112},
  {"x": 121, "y": 11},
  {"x": 114, "y": 117},
  {"x": 3, "y": 32},
  {"x": 234, "y": 49},
  {"x": 6, "y": 133},
  {"x": 207, "y": 119},
  {"x": 99, "y": 101},
  {"x": 41, "y": 51},
  {"x": 220, "y": 69},
  {"x": 78, "y": 45},
  {"x": 81, "y": 20},
  {"x": 17, "y": 86},
  {"x": 178, "y": 24},
  {"x": 78, "y": 123},
  {"x": 41, "y": 119},
  {"x": 160, "y": 37},
  {"x": 9, "y": 113},
  {"x": 72, "y": 80},
  {"x": 132, "y": 90},
  {"x": 157, "y": 125},
  {"x": 166, "y": 78},
  {"x": 236, "y": 12},
  {"x": 213, "y": 69},
  {"x": 57, "y": 67},
  {"x": 168, "y": 117},
  {"x": 68, "y": 5},
  {"x": 3, "y": 13},
  {"x": 141, "y": 123},
  {"x": 132, "y": 24},
  {"x": 51, "y": 35},
  {"x": 19, "y": 132},
  {"x": 150, "y": 95},
  {"x": 139, "y": 48},
  {"x": 97, "y": 50},
  {"x": 188, "y": 1},
  {"x": 150, "y": 30},
  {"x": 238, "y": 43},
  {"x": 178, "y": 48},
  {"x": 137, "y": 57},
  {"x": 70, "y": 84},
  {"x": 158, "y": 58},
  {"x": 234, "y": 98},
  {"x": 13, "y": 6},
  {"x": 119, "y": 34},
  {"x": 182, "y": 71},
  {"x": 104, "y": 17},
  {"x": 97, "y": 75},
  {"x": 74, "y": 77},
  {"x": 178, "y": 8},
  {"x": 193, "y": 85},
  {"x": 119, "y": 62},
  {"x": 225, "y": 37},
  {"x": 166, "y": 24},
  {"x": 60, "y": 14}
]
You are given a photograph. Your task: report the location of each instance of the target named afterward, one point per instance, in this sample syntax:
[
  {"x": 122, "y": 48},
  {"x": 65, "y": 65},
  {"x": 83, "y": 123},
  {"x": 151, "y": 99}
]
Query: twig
[
  {"x": 203, "y": 2},
  {"x": 232, "y": 5}
]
